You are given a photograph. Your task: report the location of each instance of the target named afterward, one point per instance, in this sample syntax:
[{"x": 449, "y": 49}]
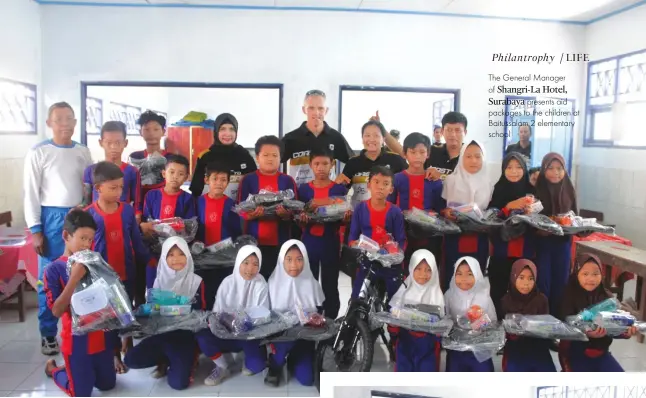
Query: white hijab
[
  {"x": 465, "y": 188},
  {"x": 412, "y": 292},
  {"x": 236, "y": 293},
  {"x": 285, "y": 292},
  {"x": 458, "y": 301},
  {"x": 183, "y": 282}
]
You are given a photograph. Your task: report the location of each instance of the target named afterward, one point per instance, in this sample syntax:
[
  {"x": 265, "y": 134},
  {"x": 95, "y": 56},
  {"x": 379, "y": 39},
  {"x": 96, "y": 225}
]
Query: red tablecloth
[
  {"x": 617, "y": 275},
  {"x": 10, "y": 257}
]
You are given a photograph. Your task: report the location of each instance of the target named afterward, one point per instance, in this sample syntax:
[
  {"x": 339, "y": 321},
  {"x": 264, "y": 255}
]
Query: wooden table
[{"x": 627, "y": 258}]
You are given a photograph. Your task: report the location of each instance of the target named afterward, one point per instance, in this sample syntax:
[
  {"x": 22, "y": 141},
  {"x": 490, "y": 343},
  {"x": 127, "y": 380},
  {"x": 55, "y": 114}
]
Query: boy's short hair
[
  {"x": 59, "y": 105},
  {"x": 414, "y": 139},
  {"x": 217, "y": 168},
  {"x": 381, "y": 127},
  {"x": 76, "y": 219},
  {"x": 269, "y": 140},
  {"x": 453, "y": 118},
  {"x": 381, "y": 170},
  {"x": 150, "y": 116},
  {"x": 320, "y": 151},
  {"x": 106, "y": 171},
  {"x": 114, "y": 125},
  {"x": 178, "y": 159},
  {"x": 534, "y": 170}
]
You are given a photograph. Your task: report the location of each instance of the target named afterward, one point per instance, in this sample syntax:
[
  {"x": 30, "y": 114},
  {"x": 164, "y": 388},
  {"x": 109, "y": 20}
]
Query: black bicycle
[{"x": 352, "y": 349}]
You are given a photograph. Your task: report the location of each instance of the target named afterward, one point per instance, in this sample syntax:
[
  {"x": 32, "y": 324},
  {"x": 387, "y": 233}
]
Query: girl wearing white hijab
[
  {"x": 292, "y": 284},
  {"x": 417, "y": 351},
  {"x": 245, "y": 288},
  {"x": 468, "y": 288},
  {"x": 172, "y": 352},
  {"x": 467, "y": 185}
]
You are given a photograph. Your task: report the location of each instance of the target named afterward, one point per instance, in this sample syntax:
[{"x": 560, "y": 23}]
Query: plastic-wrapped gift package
[
  {"x": 387, "y": 254},
  {"x": 239, "y": 325},
  {"x": 150, "y": 168},
  {"x": 416, "y": 321},
  {"x": 153, "y": 324},
  {"x": 542, "y": 327},
  {"x": 332, "y": 209},
  {"x": 310, "y": 317},
  {"x": 270, "y": 201},
  {"x": 425, "y": 224},
  {"x": 470, "y": 218},
  {"x": 475, "y": 319},
  {"x": 100, "y": 301},
  {"x": 516, "y": 225},
  {"x": 484, "y": 343},
  {"x": 175, "y": 226},
  {"x": 573, "y": 225},
  {"x": 220, "y": 254},
  {"x": 615, "y": 323}
]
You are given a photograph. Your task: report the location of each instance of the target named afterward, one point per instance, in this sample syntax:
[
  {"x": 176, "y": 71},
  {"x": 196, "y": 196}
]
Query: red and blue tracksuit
[
  {"x": 376, "y": 225},
  {"x": 417, "y": 352},
  {"x": 466, "y": 244},
  {"x": 298, "y": 355},
  {"x": 89, "y": 358},
  {"x": 416, "y": 192},
  {"x": 583, "y": 356},
  {"x": 131, "y": 185},
  {"x": 216, "y": 221},
  {"x": 176, "y": 348},
  {"x": 139, "y": 155},
  {"x": 119, "y": 242},
  {"x": 160, "y": 205},
  {"x": 553, "y": 265},
  {"x": 323, "y": 246},
  {"x": 271, "y": 234},
  {"x": 526, "y": 354},
  {"x": 255, "y": 356}
]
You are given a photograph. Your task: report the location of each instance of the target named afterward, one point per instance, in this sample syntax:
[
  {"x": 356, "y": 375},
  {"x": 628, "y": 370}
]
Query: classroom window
[
  {"x": 17, "y": 107},
  {"x": 616, "y": 103}
]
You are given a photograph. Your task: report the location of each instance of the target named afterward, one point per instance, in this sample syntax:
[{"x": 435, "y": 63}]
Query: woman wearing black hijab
[
  {"x": 509, "y": 196},
  {"x": 224, "y": 151}
]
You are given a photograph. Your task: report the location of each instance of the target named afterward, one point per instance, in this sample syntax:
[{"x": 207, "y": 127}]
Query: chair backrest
[
  {"x": 591, "y": 214},
  {"x": 5, "y": 218}
]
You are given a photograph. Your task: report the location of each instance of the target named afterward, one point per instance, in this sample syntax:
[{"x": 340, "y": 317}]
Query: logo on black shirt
[
  {"x": 331, "y": 147},
  {"x": 243, "y": 166},
  {"x": 300, "y": 154}
]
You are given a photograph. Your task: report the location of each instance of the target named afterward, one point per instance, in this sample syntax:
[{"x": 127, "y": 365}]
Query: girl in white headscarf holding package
[
  {"x": 418, "y": 351},
  {"x": 245, "y": 288},
  {"x": 467, "y": 292},
  {"x": 290, "y": 285},
  {"x": 173, "y": 352},
  {"x": 468, "y": 185}
]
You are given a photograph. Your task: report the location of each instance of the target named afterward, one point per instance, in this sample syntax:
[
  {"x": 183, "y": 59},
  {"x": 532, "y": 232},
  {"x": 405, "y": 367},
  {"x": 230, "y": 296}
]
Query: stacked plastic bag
[
  {"x": 417, "y": 319},
  {"x": 219, "y": 255},
  {"x": 251, "y": 324},
  {"x": 470, "y": 218},
  {"x": 150, "y": 168},
  {"x": 605, "y": 314},
  {"x": 425, "y": 224},
  {"x": 387, "y": 254},
  {"x": 573, "y": 225},
  {"x": 541, "y": 327},
  {"x": 100, "y": 301},
  {"x": 175, "y": 226},
  {"x": 476, "y": 332},
  {"x": 270, "y": 201},
  {"x": 326, "y": 210},
  {"x": 516, "y": 225}
]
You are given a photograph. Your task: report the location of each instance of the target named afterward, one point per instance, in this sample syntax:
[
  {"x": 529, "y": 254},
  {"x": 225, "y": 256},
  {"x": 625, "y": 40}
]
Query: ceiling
[{"x": 565, "y": 11}]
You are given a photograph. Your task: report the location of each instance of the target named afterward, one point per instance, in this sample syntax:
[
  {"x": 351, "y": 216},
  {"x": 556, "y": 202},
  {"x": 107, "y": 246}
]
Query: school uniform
[
  {"x": 324, "y": 246},
  {"x": 48, "y": 168},
  {"x": 376, "y": 225},
  {"x": 119, "y": 242},
  {"x": 458, "y": 302},
  {"x": 236, "y": 293},
  {"x": 160, "y": 205},
  {"x": 131, "y": 185},
  {"x": 525, "y": 354},
  {"x": 176, "y": 348},
  {"x": 418, "y": 351},
  {"x": 416, "y": 192},
  {"x": 554, "y": 253},
  {"x": 89, "y": 358},
  {"x": 440, "y": 160},
  {"x": 140, "y": 155},
  {"x": 464, "y": 188},
  {"x": 270, "y": 234},
  {"x": 285, "y": 292}
]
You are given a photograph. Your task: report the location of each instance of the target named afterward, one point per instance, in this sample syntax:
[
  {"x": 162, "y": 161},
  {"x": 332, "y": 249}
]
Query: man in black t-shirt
[
  {"x": 444, "y": 159},
  {"x": 524, "y": 145},
  {"x": 313, "y": 132}
]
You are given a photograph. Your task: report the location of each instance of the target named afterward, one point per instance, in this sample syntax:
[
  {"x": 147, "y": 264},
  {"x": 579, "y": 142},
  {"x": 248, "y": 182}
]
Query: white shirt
[{"x": 53, "y": 177}]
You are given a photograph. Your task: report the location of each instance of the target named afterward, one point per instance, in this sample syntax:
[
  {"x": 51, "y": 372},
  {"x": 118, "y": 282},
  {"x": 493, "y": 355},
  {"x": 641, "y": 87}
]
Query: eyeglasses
[
  {"x": 315, "y": 92},
  {"x": 64, "y": 120}
]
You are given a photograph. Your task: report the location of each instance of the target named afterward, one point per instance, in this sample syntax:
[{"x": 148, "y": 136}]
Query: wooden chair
[{"x": 19, "y": 293}]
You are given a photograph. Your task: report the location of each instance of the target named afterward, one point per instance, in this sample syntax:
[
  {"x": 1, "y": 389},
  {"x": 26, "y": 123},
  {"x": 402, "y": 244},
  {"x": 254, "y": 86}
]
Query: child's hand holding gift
[
  {"x": 347, "y": 217},
  {"x": 597, "y": 333},
  {"x": 77, "y": 272},
  {"x": 283, "y": 213},
  {"x": 259, "y": 212}
]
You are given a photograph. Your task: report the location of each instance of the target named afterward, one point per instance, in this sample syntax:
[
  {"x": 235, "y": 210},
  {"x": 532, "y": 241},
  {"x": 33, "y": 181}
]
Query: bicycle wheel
[{"x": 355, "y": 352}]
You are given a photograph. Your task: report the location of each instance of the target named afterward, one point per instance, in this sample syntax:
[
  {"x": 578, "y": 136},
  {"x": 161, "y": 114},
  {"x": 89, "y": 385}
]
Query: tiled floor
[{"x": 22, "y": 365}]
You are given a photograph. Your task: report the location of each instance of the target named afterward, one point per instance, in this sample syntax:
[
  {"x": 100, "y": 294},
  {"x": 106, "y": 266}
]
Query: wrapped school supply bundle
[
  {"x": 471, "y": 219},
  {"x": 270, "y": 201},
  {"x": 542, "y": 327},
  {"x": 100, "y": 301},
  {"x": 219, "y": 255},
  {"x": 474, "y": 319},
  {"x": 165, "y": 303},
  {"x": 175, "y": 226},
  {"x": 150, "y": 168},
  {"x": 241, "y": 325},
  {"x": 309, "y": 317},
  {"x": 516, "y": 225},
  {"x": 416, "y": 320},
  {"x": 332, "y": 209},
  {"x": 152, "y": 324},
  {"x": 484, "y": 343},
  {"x": 424, "y": 224},
  {"x": 605, "y": 314},
  {"x": 573, "y": 225},
  {"x": 387, "y": 254}
]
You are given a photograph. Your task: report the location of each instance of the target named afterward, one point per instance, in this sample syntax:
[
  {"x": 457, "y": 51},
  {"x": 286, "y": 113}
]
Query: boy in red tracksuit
[{"x": 89, "y": 357}]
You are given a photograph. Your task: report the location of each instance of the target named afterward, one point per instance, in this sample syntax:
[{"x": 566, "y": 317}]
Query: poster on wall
[
  {"x": 127, "y": 114},
  {"x": 94, "y": 115},
  {"x": 17, "y": 107}
]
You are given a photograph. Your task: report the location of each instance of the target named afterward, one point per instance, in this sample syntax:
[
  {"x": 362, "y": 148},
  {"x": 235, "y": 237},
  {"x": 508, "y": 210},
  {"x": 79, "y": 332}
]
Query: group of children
[{"x": 525, "y": 274}]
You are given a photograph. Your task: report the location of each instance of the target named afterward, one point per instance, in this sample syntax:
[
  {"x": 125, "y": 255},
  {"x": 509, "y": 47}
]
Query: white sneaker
[
  {"x": 49, "y": 346},
  {"x": 247, "y": 372},
  {"x": 217, "y": 376}
]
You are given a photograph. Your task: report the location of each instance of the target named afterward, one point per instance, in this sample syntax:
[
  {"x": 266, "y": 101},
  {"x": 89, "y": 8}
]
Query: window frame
[{"x": 34, "y": 88}]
